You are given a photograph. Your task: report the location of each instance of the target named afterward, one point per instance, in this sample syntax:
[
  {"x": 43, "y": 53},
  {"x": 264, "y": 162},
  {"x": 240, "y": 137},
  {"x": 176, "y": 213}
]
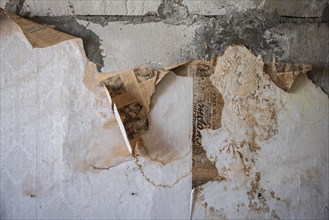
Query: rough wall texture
[{"x": 123, "y": 34}]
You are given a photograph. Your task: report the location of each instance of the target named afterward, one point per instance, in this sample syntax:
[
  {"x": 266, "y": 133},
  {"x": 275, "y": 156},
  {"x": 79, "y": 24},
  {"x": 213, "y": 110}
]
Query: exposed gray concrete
[
  {"x": 14, "y": 6},
  {"x": 320, "y": 76},
  {"x": 291, "y": 8},
  {"x": 248, "y": 28},
  {"x": 325, "y": 14},
  {"x": 124, "y": 34},
  {"x": 92, "y": 7},
  {"x": 306, "y": 43},
  {"x": 211, "y": 7},
  {"x": 153, "y": 44},
  {"x": 174, "y": 12},
  {"x": 296, "y": 8}
]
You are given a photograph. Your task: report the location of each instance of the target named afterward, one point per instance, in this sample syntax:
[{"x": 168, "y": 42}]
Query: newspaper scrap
[
  {"x": 207, "y": 110},
  {"x": 39, "y": 36},
  {"x": 131, "y": 93},
  {"x": 285, "y": 74}
]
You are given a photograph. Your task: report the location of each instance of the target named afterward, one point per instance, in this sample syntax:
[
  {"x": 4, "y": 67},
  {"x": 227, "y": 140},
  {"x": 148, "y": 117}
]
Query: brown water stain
[
  {"x": 28, "y": 185},
  {"x": 210, "y": 211},
  {"x": 274, "y": 215},
  {"x": 258, "y": 198},
  {"x": 274, "y": 196},
  {"x": 90, "y": 80},
  {"x": 103, "y": 114},
  {"x": 110, "y": 123},
  {"x": 29, "y": 193},
  {"x": 103, "y": 163},
  {"x": 149, "y": 179},
  {"x": 169, "y": 157},
  {"x": 285, "y": 74}
]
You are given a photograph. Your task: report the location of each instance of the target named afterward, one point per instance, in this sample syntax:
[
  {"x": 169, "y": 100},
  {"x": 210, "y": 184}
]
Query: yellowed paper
[
  {"x": 39, "y": 36},
  {"x": 207, "y": 110},
  {"x": 285, "y": 74},
  {"x": 131, "y": 91}
]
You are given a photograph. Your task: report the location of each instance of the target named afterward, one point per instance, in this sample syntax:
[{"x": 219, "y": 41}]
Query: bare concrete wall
[{"x": 123, "y": 34}]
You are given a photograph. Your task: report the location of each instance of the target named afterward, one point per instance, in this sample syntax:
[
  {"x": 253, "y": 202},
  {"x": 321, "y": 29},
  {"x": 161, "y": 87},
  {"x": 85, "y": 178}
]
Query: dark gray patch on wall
[
  {"x": 91, "y": 41},
  {"x": 248, "y": 28},
  {"x": 173, "y": 12},
  {"x": 14, "y": 6},
  {"x": 320, "y": 76},
  {"x": 325, "y": 14},
  {"x": 104, "y": 20}
]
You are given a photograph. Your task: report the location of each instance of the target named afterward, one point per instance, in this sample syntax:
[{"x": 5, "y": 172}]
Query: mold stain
[
  {"x": 274, "y": 215},
  {"x": 71, "y": 7},
  {"x": 250, "y": 113},
  {"x": 249, "y": 108},
  {"x": 257, "y": 200},
  {"x": 258, "y": 197},
  {"x": 273, "y": 195},
  {"x": 217, "y": 214},
  {"x": 210, "y": 211}
]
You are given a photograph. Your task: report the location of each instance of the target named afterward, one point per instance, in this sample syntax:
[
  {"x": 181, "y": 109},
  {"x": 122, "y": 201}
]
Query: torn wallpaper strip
[
  {"x": 38, "y": 35},
  {"x": 226, "y": 128}
]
